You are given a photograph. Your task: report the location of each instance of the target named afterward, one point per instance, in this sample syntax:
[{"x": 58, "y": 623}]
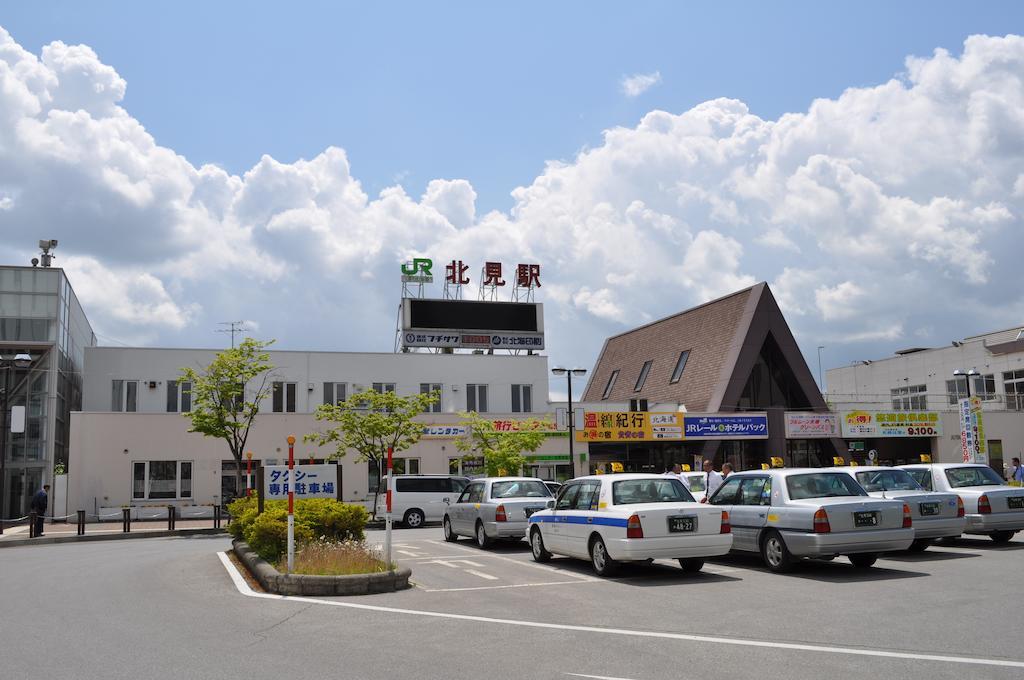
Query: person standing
[
  {"x": 726, "y": 470},
  {"x": 1016, "y": 471},
  {"x": 39, "y": 503},
  {"x": 712, "y": 480}
]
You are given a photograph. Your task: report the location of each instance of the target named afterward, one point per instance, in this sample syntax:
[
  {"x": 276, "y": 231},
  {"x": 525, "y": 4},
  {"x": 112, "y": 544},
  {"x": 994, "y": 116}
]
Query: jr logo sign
[{"x": 418, "y": 271}]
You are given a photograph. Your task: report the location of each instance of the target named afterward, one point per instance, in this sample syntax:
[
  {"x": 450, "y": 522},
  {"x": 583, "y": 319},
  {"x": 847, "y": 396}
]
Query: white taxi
[{"x": 610, "y": 519}]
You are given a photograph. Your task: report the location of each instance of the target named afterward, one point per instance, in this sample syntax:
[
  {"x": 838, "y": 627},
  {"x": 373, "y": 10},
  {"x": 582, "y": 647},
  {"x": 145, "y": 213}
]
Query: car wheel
[
  {"x": 863, "y": 560},
  {"x": 604, "y": 565},
  {"x": 691, "y": 566},
  {"x": 920, "y": 545},
  {"x": 449, "y": 535},
  {"x": 482, "y": 539},
  {"x": 540, "y": 554},
  {"x": 775, "y": 553},
  {"x": 1001, "y": 536},
  {"x": 413, "y": 519}
]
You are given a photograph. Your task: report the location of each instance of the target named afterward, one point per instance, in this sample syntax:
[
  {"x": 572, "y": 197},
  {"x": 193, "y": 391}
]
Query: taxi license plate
[
  {"x": 929, "y": 509},
  {"x": 865, "y": 519},
  {"x": 682, "y": 524},
  {"x": 1015, "y": 502}
]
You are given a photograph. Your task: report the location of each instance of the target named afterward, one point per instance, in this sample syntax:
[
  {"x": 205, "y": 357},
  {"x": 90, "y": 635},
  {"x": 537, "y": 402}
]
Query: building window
[
  {"x": 179, "y": 396},
  {"x": 161, "y": 479},
  {"x": 335, "y": 392},
  {"x": 522, "y": 398},
  {"x": 677, "y": 372},
  {"x": 476, "y": 398},
  {"x": 284, "y": 397},
  {"x": 611, "y": 384},
  {"x": 381, "y": 388},
  {"x": 985, "y": 386},
  {"x": 982, "y": 386},
  {"x": 125, "y": 396},
  {"x": 1013, "y": 385},
  {"x": 428, "y": 388},
  {"x": 637, "y": 404},
  {"x": 400, "y": 466},
  {"x": 910, "y": 398},
  {"x": 642, "y": 378}
]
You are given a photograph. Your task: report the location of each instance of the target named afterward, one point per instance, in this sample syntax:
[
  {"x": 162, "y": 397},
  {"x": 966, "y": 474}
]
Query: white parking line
[
  {"x": 486, "y": 577},
  {"x": 523, "y": 563},
  {"x": 596, "y": 677},
  {"x": 409, "y": 554},
  {"x": 514, "y": 585},
  {"x": 244, "y": 588}
]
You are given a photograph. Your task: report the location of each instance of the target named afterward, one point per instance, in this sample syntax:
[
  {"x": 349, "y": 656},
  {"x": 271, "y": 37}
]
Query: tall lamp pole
[
  {"x": 569, "y": 373},
  {"x": 20, "y": 360},
  {"x": 821, "y": 384},
  {"x": 967, "y": 376}
]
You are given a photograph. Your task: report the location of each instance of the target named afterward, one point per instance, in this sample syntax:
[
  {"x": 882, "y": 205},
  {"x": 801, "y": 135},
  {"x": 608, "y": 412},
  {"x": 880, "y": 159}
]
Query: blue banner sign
[{"x": 698, "y": 426}]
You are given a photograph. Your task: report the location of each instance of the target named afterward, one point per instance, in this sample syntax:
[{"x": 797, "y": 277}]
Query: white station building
[
  {"x": 131, "y": 446},
  {"x": 917, "y": 393}
]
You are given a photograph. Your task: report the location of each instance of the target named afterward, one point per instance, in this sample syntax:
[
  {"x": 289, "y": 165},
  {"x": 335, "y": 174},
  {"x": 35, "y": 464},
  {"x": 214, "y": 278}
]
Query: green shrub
[{"x": 267, "y": 534}]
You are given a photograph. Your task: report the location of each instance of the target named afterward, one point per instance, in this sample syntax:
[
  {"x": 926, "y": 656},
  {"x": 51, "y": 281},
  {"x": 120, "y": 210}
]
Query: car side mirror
[{"x": 550, "y": 504}]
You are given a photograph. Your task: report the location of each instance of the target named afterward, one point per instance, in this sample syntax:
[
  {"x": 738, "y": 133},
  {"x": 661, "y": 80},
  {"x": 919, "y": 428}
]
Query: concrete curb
[
  {"x": 119, "y": 536},
  {"x": 274, "y": 581}
]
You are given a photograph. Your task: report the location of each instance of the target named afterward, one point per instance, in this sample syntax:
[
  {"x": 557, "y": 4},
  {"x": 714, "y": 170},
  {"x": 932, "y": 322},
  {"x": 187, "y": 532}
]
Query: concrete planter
[{"x": 274, "y": 581}]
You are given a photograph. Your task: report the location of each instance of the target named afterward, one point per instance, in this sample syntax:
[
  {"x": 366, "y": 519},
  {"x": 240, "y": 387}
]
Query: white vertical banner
[{"x": 966, "y": 431}]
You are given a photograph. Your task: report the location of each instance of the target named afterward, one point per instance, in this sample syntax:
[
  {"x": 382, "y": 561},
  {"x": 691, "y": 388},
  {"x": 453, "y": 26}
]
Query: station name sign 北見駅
[
  {"x": 612, "y": 426},
  {"x": 891, "y": 424}
]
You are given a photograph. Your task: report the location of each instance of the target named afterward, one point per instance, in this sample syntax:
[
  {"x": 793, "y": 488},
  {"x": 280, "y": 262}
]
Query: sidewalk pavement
[{"x": 61, "y": 529}]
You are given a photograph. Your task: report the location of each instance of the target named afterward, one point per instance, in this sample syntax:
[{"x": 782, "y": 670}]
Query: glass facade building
[{"x": 39, "y": 316}]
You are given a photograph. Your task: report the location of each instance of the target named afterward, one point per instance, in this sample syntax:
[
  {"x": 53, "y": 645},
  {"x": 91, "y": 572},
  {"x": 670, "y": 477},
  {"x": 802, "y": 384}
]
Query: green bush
[{"x": 267, "y": 534}]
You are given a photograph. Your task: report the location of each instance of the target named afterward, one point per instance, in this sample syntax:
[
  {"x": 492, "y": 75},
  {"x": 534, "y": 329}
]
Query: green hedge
[{"x": 315, "y": 518}]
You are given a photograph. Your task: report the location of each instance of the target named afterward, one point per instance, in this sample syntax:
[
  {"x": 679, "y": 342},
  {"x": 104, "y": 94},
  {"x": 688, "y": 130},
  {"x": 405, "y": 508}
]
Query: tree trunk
[{"x": 376, "y": 490}]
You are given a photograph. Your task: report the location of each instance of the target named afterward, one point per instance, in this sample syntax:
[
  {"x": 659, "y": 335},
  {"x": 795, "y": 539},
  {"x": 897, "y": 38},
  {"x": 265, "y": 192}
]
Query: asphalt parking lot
[{"x": 168, "y": 608}]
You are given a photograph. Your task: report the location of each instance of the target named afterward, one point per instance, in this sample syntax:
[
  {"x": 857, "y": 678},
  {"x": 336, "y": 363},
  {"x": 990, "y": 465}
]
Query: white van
[{"x": 416, "y": 499}]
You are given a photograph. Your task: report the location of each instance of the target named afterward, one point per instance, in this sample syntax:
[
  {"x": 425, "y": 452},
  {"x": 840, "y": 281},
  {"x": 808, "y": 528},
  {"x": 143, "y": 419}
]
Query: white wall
[{"x": 454, "y": 371}]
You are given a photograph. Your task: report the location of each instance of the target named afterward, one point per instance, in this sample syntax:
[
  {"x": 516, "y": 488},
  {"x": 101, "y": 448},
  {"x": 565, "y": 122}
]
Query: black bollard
[
  {"x": 126, "y": 520},
  {"x": 216, "y": 516},
  {"x": 170, "y": 518},
  {"x": 32, "y": 524},
  {"x": 81, "y": 522}
]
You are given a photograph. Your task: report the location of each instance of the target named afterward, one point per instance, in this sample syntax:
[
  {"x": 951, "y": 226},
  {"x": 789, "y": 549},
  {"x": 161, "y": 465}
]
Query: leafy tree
[
  {"x": 219, "y": 405},
  {"x": 502, "y": 451},
  {"x": 369, "y": 423}
]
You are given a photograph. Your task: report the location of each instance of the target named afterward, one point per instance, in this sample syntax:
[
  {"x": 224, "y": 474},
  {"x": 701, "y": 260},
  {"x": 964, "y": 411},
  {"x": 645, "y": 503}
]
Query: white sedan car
[
  {"x": 994, "y": 509},
  {"x": 936, "y": 515},
  {"x": 610, "y": 519}
]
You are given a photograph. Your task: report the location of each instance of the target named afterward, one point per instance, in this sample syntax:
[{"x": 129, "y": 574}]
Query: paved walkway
[{"x": 71, "y": 529}]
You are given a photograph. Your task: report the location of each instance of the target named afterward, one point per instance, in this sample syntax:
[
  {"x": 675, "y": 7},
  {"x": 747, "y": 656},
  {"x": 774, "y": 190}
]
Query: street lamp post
[
  {"x": 19, "y": 360},
  {"x": 967, "y": 376},
  {"x": 569, "y": 373},
  {"x": 821, "y": 384}
]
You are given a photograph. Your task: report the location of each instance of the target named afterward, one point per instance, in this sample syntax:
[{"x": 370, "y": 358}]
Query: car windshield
[
  {"x": 972, "y": 476},
  {"x": 519, "y": 489},
  {"x": 630, "y": 491},
  {"x": 696, "y": 483},
  {"x": 822, "y": 485},
  {"x": 887, "y": 480}
]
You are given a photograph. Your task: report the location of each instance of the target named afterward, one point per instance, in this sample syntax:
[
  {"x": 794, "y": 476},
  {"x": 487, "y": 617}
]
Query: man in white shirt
[{"x": 712, "y": 481}]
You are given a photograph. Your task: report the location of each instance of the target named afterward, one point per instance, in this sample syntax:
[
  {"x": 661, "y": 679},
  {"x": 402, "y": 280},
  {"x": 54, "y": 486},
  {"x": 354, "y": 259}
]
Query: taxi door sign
[{"x": 617, "y": 467}]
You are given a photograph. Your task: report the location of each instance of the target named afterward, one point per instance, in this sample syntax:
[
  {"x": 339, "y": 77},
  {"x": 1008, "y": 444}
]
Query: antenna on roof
[{"x": 235, "y": 327}]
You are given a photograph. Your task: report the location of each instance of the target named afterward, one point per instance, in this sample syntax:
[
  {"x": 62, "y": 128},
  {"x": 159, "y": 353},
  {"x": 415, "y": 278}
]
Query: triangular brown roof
[{"x": 724, "y": 338}]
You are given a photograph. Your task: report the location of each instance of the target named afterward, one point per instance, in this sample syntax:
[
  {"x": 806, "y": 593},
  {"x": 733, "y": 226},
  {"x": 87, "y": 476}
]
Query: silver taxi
[
  {"x": 993, "y": 508},
  {"x": 495, "y": 508},
  {"x": 789, "y": 514},
  {"x": 936, "y": 515}
]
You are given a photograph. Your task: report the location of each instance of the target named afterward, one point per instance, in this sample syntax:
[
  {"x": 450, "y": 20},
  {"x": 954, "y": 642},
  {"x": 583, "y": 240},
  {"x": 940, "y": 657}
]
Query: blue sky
[
  {"x": 482, "y": 91},
  {"x": 207, "y": 161}
]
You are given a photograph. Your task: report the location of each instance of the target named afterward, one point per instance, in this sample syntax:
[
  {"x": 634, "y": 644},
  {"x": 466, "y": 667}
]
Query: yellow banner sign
[{"x": 617, "y": 426}]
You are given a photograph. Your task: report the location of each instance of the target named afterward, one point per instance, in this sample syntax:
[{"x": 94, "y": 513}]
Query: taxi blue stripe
[{"x": 580, "y": 519}]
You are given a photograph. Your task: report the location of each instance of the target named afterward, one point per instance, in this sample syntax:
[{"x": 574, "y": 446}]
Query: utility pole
[{"x": 233, "y": 328}]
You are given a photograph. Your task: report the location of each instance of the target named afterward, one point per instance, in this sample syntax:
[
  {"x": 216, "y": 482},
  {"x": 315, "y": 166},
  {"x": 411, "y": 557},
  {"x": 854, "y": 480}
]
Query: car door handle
[
  {"x": 760, "y": 514},
  {"x": 590, "y": 520}
]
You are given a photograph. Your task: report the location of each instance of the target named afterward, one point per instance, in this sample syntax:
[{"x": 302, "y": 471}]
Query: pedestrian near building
[
  {"x": 726, "y": 470},
  {"x": 712, "y": 480},
  {"x": 677, "y": 472},
  {"x": 1016, "y": 471},
  {"x": 39, "y": 503}
]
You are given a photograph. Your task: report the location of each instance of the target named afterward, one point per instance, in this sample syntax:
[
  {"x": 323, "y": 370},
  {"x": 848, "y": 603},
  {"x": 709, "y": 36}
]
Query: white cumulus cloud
[{"x": 635, "y": 85}]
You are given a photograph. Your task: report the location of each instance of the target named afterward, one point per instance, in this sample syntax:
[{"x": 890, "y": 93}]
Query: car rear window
[
  {"x": 922, "y": 477},
  {"x": 696, "y": 483},
  {"x": 630, "y": 491},
  {"x": 822, "y": 485},
  {"x": 972, "y": 476},
  {"x": 519, "y": 489},
  {"x": 887, "y": 480}
]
